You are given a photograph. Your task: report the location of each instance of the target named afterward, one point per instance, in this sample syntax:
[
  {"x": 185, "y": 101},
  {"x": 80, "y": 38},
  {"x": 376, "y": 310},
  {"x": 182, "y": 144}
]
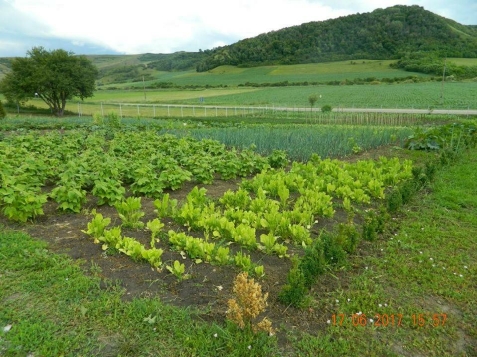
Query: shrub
[
  {"x": 419, "y": 176},
  {"x": 375, "y": 222},
  {"x": 430, "y": 170},
  {"x": 408, "y": 189},
  {"x": 370, "y": 228},
  {"x": 394, "y": 200},
  {"x": 348, "y": 236},
  {"x": 313, "y": 262},
  {"x": 333, "y": 248},
  {"x": 326, "y": 108},
  {"x": 294, "y": 292}
]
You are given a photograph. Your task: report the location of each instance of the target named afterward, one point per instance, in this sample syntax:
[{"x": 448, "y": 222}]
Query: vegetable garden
[
  {"x": 202, "y": 205},
  {"x": 273, "y": 207}
]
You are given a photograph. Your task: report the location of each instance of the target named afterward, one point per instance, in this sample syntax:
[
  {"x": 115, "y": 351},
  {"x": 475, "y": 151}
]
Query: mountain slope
[{"x": 381, "y": 34}]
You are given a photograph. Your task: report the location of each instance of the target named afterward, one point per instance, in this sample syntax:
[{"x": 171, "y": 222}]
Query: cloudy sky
[{"x": 166, "y": 26}]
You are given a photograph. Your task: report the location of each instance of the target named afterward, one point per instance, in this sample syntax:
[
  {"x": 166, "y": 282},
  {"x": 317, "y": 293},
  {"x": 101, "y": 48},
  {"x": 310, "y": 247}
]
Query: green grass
[
  {"x": 55, "y": 310},
  {"x": 426, "y": 267},
  {"x": 464, "y": 61}
]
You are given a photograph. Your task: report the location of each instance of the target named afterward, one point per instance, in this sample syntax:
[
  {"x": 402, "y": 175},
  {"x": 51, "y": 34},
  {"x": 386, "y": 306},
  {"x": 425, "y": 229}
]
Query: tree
[
  {"x": 312, "y": 100},
  {"x": 54, "y": 77}
]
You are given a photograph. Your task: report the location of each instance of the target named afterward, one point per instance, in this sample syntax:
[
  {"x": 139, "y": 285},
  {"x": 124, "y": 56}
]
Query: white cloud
[
  {"x": 167, "y": 26},
  {"x": 145, "y": 26},
  {"x": 10, "y": 46}
]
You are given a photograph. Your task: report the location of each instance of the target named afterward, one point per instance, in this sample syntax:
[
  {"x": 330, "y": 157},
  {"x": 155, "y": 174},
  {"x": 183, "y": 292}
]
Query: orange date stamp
[{"x": 389, "y": 320}]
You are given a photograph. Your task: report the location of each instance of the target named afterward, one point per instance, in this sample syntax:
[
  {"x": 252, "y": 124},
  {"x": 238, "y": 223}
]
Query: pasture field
[
  {"x": 464, "y": 61},
  {"x": 175, "y": 219},
  {"x": 316, "y": 72}
]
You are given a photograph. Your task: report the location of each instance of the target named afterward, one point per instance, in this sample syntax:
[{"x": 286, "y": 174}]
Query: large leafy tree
[{"x": 54, "y": 76}]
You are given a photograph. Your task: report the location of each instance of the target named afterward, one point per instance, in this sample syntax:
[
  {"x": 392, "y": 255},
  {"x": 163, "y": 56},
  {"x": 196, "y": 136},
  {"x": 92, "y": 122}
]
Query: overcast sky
[{"x": 140, "y": 26}]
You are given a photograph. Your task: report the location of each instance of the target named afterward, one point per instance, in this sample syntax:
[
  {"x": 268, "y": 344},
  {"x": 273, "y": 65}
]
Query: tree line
[{"x": 432, "y": 63}]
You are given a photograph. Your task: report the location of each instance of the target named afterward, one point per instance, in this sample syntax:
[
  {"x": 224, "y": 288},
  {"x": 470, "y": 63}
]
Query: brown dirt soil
[{"x": 209, "y": 287}]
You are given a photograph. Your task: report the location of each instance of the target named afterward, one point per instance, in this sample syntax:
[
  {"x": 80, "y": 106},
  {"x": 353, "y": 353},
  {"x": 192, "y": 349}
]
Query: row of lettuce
[{"x": 272, "y": 211}]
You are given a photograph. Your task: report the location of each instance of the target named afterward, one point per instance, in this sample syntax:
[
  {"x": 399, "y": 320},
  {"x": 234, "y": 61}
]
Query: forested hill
[{"x": 382, "y": 34}]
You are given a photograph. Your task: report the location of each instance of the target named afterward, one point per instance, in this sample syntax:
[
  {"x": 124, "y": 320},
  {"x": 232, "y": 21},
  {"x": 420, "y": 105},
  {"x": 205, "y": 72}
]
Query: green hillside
[
  {"x": 382, "y": 34},
  {"x": 136, "y": 68}
]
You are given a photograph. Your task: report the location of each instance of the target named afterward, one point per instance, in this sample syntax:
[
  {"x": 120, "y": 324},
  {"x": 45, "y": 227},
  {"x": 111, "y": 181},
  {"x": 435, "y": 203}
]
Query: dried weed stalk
[{"x": 248, "y": 303}]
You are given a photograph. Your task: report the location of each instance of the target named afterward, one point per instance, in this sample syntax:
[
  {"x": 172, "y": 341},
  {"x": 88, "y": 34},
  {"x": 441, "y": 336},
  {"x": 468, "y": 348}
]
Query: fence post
[
  {"x": 78, "y": 110},
  {"x": 168, "y": 111},
  {"x": 102, "y": 112},
  {"x": 138, "y": 110},
  {"x": 154, "y": 110},
  {"x": 120, "y": 111},
  {"x": 182, "y": 112}
]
